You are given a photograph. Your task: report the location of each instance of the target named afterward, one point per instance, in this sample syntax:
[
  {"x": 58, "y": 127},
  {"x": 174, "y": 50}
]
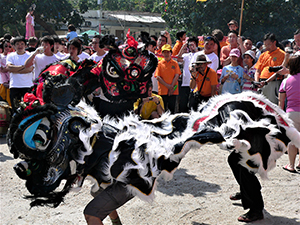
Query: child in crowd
[
  {"x": 232, "y": 75},
  {"x": 249, "y": 61}
]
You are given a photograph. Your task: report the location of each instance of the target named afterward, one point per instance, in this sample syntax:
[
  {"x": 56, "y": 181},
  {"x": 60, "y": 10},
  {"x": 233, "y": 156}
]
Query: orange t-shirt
[
  {"x": 177, "y": 47},
  {"x": 158, "y": 51},
  {"x": 210, "y": 80},
  {"x": 167, "y": 70},
  {"x": 268, "y": 59},
  {"x": 225, "y": 53}
]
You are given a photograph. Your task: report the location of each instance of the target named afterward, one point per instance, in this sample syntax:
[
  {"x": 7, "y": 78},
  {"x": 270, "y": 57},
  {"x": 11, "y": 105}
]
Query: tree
[
  {"x": 280, "y": 17},
  {"x": 50, "y": 14}
]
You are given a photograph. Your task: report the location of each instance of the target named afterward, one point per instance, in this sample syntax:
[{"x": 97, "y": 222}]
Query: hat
[
  {"x": 201, "y": 59},
  {"x": 166, "y": 47},
  {"x": 235, "y": 52},
  {"x": 233, "y": 22},
  {"x": 250, "y": 53},
  {"x": 259, "y": 44}
]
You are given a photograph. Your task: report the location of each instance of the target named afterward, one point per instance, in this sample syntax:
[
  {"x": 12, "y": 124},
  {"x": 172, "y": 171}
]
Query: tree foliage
[{"x": 50, "y": 14}]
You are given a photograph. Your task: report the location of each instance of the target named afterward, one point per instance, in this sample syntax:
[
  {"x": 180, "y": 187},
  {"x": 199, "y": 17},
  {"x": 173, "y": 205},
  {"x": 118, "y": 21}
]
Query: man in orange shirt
[
  {"x": 273, "y": 56},
  {"x": 181, "y": 36},
  {"x": 204, "y": 80},
  {"x": 162, "y": 40},
  {"x": 167, "y": 74}
]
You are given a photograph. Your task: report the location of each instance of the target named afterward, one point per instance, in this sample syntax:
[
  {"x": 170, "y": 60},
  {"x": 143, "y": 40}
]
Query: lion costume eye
[
  {"x": 38, "y": 135},
  {"x": 111, "y": 71}
]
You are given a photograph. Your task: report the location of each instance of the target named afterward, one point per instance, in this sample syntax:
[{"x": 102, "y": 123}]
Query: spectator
[
  {"x": 248, "y": 44},
  {"x": 290, "y": 90},
  {"x": 272, "y": 57},
  {"x": 72, "y": 32},
  {"x": 180, "y": 36},
  {"x": 151, "y": 48},
  {"x": 74, "y": 48},
  {"x": 30, "y": 24},
  {"x": 58, "y": 47},
  {"x": 234, "y": 42},
  {"x": 162, "y": 40},
  {"x": 259, "y": 48},
  {"x": 218, "y": 34},
  {"x": 186, "y": 58},
  {"x": 151, "y": 107},
  {"x": 20, "y": 76},
  {"x": 42, "y": 56},
  {"x": 4, "y": 90},
  {"x": 82, "y": 55},
  {"x": 297, "y": 41},
  {"x": 32, "y": 44},
  {"x": 249, "y": 71},
  {"x": 98, "y": 48},
  {"x": 233, "y": 25},
  {"x": 209, "y": 45},
  {"x": 204, "y": 81},
  {"x": 232, "y": 75},
  {"x": 167, "y": 74}
]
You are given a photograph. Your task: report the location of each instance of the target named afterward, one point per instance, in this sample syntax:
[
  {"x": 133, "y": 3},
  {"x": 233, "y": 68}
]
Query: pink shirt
[{"x": 291, "y": 86}]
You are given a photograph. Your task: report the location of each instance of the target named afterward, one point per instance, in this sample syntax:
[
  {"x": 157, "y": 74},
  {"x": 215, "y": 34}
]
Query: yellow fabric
[
  {"x": 268, "y": 59},
  {"x": 148, "y": 107},
  {"x": 4, "y": 93}
]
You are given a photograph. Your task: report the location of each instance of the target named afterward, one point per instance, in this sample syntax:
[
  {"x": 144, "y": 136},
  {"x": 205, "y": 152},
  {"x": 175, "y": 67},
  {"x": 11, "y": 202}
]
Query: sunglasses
[{"x": 5, "y": 46}]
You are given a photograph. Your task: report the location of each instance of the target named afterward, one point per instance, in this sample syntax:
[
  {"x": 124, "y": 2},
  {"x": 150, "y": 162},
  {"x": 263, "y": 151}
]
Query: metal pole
[{"x": 241, "y": 18}]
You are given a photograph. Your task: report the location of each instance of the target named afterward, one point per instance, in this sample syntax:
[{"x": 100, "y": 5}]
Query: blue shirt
[
  {"x": 71, "y": 35},
  {"x": 232, "y": 85}
]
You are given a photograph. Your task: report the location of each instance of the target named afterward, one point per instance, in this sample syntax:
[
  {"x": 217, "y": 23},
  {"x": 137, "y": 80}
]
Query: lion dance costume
[{"x": 58, "y": 136}]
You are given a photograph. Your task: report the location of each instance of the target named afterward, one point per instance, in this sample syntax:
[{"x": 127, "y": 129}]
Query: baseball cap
[
  {"x": 166, "y": 47},
  {"x": 235, "y": 52},
  {"x": 250, "y": 53},
  {"x": 233, "y": 22}
]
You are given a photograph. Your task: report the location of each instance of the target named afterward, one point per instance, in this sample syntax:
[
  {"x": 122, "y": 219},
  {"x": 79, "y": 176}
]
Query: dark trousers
[
  {"x": 249, "y": 184},
  {"x": 184, "y": 93},
  {"x": 169, "y": 102},
  {"x": 15, "y": 96}
]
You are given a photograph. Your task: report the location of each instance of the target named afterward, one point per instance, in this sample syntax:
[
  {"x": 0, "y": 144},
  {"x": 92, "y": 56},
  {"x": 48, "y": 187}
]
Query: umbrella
[{"x": 90, "y": 33}]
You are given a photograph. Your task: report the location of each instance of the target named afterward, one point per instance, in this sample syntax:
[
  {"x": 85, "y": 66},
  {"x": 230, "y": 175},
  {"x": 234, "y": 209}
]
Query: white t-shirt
[
  {"x": 96, "y": 57},
  {"x": 83, "y": 56},
  {"x": 212, "y": 57},
  {"x": 60, "y": 55},
  {"x": 19, "y": 80},
  {"x": 186, "y": 75},
  {"x": 41, "y": 61}
]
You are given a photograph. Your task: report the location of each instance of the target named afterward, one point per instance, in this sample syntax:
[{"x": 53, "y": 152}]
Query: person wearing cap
[
  {"x": 167, "y": 74},
  {"x": 204, "y": 81},
  {"x": 249, "y": 69},
  {"x": 273, "y": 56},
  {"x": 232, "y": 75},
  {"x": 234, "y": 42},
  {"x": 209, "y": 47},
  {"x": 233, "y": 25}
]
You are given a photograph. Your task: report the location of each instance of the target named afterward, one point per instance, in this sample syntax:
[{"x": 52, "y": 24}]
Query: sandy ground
[{"x": 198, "y": 195}]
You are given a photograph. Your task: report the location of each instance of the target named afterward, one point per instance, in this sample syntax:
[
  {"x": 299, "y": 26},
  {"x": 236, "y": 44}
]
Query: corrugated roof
[{"x": 137, "y": 18}]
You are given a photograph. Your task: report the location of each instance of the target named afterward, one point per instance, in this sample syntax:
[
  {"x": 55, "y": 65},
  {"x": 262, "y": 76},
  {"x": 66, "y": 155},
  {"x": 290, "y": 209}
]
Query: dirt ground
[{"x": 197, "y": 195}]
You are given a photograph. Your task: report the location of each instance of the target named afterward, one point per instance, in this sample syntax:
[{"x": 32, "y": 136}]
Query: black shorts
[{"x": 108, "y": 200}]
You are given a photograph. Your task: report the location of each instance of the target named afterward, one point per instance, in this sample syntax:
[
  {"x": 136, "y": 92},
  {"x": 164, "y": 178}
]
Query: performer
[{"x": 30, "y": 23}]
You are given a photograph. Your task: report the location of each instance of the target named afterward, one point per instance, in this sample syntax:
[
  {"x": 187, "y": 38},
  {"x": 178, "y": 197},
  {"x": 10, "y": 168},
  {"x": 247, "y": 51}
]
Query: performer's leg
[{"x": 106, "y": 202}]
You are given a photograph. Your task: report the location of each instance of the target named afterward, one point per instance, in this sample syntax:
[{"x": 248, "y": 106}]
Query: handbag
[{"x": 195, "y": 98}]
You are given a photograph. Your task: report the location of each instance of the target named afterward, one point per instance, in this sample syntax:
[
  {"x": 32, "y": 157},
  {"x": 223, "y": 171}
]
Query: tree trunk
[{"x": 45, "y": 25}]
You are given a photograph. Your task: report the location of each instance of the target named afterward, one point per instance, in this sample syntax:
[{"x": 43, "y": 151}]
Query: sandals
[
  {"x": 287, "y": 168},
  {"x": 236, "y": 196},
  {"x": 251, "y": 216}
]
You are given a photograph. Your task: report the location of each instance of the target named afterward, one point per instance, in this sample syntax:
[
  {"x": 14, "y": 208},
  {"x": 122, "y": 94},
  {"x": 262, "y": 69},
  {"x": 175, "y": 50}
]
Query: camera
[
  {"x": 274, "y": 68},
  {"x": 151, "y": 98}
]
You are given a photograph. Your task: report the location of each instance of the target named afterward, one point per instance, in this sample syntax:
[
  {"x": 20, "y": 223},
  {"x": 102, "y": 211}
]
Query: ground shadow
[
  {"x": 183, "y": 183},
  {"x": 4, "y": 158},
  {"x": 274, "y": 220}
]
